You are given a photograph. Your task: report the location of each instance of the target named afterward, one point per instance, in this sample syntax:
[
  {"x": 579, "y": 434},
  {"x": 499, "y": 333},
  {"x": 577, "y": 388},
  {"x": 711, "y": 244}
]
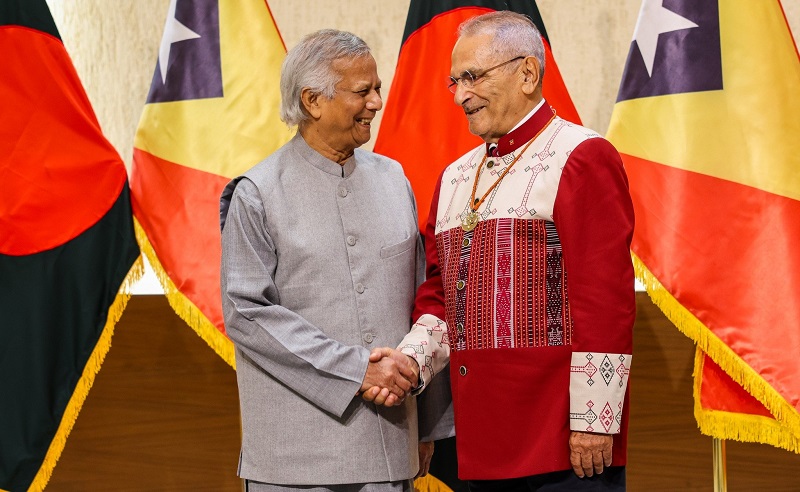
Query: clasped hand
[{"x": 391, "y": 375}]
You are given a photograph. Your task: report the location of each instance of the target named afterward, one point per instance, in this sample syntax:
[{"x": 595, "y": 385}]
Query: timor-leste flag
[
  {"x": 422, "y": 128},
  {"x": 67, "y": 245},
  {"x": 211, "y": 114},
  {"x": 707, "y": 121}
]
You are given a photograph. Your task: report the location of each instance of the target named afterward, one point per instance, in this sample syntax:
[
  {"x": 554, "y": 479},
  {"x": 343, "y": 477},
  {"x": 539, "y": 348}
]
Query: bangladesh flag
[{"x": 67, "y": 245}]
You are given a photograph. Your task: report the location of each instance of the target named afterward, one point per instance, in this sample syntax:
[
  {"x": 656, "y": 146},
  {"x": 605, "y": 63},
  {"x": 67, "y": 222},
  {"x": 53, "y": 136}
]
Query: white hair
[
  {"x": 308, "y": 65},
  {"x": 513, "y": 35}
]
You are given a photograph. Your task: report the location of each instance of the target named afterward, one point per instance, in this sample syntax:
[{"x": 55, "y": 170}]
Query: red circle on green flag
[{"x": 58, "y": 173}]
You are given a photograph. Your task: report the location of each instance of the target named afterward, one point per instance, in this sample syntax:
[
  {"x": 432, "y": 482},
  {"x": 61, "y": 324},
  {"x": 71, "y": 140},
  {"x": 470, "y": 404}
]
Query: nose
[
  {"x": 461, "y": 94},
  {"x": 374, "y": 101}
]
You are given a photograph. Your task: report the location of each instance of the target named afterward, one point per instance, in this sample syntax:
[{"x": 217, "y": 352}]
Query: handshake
[{"x": 390, "y": 376}]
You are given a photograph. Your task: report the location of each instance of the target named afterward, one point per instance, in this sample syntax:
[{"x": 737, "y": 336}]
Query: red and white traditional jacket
[{"x": 534, "y": 308}]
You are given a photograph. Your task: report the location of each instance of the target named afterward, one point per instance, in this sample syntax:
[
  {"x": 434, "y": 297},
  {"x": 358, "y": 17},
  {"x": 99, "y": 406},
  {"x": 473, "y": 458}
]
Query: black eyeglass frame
[{"x": 469, "y": 79}]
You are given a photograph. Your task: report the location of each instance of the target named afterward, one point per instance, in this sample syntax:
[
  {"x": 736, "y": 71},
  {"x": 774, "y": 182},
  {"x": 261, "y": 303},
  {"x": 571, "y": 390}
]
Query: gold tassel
[
  {"x": 737, "y": 426},
  {"x": 784, "y": 433},
  {"x": 183, "y": 307},
  {"x": 87, "y": 378}
]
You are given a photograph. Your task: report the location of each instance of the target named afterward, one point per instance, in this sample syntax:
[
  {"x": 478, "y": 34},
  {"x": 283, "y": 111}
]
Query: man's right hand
[{"x": 387, "y": 380}]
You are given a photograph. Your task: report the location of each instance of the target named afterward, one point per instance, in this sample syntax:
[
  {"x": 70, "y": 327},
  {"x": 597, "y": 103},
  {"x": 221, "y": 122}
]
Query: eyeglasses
[{"x": 469, "y": 79}]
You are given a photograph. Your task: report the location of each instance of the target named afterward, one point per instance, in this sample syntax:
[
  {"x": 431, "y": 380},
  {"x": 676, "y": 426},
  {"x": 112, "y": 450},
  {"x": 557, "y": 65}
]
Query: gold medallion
[{"x": 470, "y": 221}]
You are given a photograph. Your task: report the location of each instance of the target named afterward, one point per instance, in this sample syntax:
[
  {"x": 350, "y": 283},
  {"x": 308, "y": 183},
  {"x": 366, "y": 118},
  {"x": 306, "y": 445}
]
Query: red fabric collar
[{"x": 526, "y": 131}]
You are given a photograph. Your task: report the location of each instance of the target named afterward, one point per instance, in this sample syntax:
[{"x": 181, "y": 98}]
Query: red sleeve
[
  {"x": 430, "y": 295},
  {"x": 593, "y": 214}
]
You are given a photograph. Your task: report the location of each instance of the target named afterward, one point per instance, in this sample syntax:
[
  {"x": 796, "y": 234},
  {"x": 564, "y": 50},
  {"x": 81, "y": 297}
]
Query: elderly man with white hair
[
  {"x": 530, "y": 291},
  {"x": 321, "y": 257}
]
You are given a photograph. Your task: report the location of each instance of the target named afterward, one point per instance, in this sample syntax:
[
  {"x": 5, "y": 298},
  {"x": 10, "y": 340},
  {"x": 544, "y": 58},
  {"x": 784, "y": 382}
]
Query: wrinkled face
[
  {"x": 492, "y": 104},
  {"x": 345, "y": 120}
]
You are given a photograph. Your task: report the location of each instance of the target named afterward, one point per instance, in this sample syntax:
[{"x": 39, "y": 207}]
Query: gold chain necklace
[{"x": 472, "y": 218}]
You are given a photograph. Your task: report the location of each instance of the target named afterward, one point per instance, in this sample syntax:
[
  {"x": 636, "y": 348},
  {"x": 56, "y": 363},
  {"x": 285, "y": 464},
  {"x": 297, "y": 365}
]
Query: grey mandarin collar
[{"x": 321, "y": 162}]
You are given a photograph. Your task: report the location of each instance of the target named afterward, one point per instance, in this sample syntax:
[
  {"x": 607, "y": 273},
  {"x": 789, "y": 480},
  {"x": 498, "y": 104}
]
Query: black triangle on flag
[
  {"x": 688, "y": 44},
  {"x": 34, "y": 15}
]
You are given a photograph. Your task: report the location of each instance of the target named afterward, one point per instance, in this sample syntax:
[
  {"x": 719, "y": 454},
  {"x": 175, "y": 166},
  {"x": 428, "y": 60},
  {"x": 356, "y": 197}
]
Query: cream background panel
[{"x": 114, "y": 46}]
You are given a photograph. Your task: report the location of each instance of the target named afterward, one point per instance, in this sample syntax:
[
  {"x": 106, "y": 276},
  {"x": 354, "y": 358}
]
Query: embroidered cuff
[
  {"x": 429, "y": 345},
  {"x": 597, "y": 384}
]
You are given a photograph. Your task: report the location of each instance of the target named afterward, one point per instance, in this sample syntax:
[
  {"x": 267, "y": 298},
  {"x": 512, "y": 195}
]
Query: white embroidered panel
[
  {"x": 597, "y": 383},
  {"x": 529, "y": 189},
  {"x": 429, "y": 345}
]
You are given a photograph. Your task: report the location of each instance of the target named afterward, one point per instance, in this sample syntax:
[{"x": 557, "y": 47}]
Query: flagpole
[{"x": 720, "y": 472}]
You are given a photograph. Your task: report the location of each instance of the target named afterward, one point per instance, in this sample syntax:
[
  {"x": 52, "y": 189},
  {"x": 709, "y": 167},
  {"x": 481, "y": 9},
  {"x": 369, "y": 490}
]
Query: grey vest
[{"x": 320, "y": 264}]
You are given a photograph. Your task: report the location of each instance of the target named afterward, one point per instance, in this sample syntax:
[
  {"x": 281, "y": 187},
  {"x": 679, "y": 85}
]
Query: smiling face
[
  {"x": 341, "y": 124},
  {"x": 497, "y": 101}
]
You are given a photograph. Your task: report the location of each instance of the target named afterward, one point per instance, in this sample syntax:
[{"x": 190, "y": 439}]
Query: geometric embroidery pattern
[
  {"x": 505, "y": 285},
  {"x": 425, "y": 347},
  {"x": 597, "y": 387},
  {"x": 556, "y": 287},
  {"x": 588, "y": 416},
  {"x": 607, "y": 417},
  {"x": 607, "y": 370}
]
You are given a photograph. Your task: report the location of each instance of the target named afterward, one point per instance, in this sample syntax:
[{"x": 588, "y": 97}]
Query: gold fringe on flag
[
  {"x": 738, "y": 426},
  {"x": 183, "y": 307},
  {"x": 785, "y": 433},
  {"x": 87, "y": 378}
]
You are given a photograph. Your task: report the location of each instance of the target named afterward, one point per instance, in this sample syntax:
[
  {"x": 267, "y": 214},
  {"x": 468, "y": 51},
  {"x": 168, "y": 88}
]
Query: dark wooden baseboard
[{"x": 163, "y": 416}]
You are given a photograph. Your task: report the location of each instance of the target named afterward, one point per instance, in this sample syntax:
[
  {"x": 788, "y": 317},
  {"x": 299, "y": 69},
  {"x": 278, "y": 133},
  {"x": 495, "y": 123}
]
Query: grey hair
[
  {"x": 308, "y": 65},
  {"x": 514, "y": 35}
]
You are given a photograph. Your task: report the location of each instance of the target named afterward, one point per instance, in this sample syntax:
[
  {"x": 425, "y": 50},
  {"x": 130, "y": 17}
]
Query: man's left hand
[
  {"x": 589, "y": 453},
  {"x": 425, "y": 455}
]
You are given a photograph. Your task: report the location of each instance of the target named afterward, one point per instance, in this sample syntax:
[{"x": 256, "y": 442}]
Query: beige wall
[{"x": 114, "y": 47}]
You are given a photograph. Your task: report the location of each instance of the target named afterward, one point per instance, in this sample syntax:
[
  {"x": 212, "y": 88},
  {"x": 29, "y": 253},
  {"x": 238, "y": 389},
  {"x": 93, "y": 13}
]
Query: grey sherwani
[{"x": 320, "y": 263}]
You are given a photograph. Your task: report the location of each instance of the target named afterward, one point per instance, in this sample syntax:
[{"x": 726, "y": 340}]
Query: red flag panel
[
  {"x": 719, "y": 392},
  {"x": 707, "y": 240},
  {"x": 182, "y": 220}
]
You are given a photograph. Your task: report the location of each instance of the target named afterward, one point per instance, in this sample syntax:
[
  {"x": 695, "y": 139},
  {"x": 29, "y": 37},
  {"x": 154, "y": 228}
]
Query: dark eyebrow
[
  {"x": 361, "y": 88},
  {"x": 471, "y": 71}
]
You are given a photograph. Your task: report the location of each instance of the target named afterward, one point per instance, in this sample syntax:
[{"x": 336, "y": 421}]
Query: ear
[
  {"x": 530, "y": 72},
  {"x": 310, "y": 102}
]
